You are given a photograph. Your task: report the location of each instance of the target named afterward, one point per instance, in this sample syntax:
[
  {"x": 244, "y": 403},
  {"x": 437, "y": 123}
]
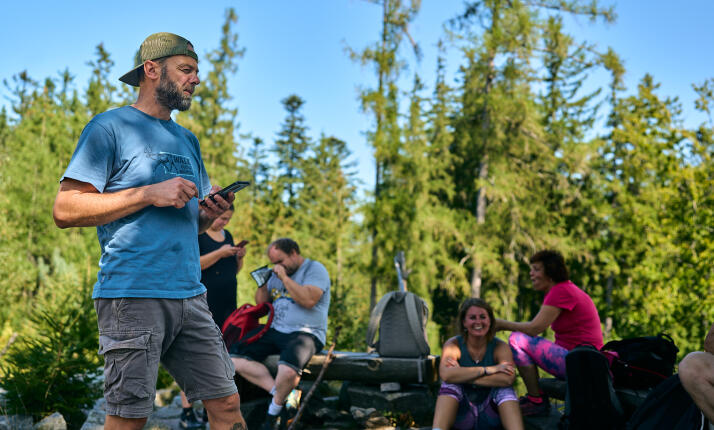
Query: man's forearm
[
  {"x": 302, "y": 294},
  {"x": 74, "y": 208}
]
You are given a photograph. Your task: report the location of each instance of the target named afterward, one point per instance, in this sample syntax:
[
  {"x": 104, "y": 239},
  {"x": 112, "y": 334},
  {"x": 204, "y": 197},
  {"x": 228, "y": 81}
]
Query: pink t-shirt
[{"x": 578, "y": 322}]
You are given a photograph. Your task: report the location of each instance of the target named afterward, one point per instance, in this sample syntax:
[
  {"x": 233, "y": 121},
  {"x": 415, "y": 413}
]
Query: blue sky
[{"x": 298, "y": 46}]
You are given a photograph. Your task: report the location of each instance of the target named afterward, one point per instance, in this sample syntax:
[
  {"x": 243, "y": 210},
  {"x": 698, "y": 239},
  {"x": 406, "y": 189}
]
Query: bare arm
[
  {"x": 261, "y": 294},
  {"x": 499, "y": 375},
  {"x": 79, "y": 204},
  {"x": 210, "y": 258},
  {"x": 709, "y": 341},
  {"x": 306, "y": 296},
  {"x": 545, "y": 317},
  {"x": 502, "y": 374},
  {"x": 449, "y": 369}
]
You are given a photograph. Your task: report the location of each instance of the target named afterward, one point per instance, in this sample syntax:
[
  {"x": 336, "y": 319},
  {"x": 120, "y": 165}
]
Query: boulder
[{"x": 53, "y": 422}]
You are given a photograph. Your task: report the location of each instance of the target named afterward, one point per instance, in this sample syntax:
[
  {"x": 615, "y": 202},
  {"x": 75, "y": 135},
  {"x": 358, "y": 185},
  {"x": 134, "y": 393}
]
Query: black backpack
[
  {"x": 590, "y": 399},
  {"x": 642, "y": 362},
  {"x": 667, "y": 406}
]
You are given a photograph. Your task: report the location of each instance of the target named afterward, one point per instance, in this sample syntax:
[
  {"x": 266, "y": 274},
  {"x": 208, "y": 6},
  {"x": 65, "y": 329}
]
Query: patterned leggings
[{"x": 536, "y": 350}]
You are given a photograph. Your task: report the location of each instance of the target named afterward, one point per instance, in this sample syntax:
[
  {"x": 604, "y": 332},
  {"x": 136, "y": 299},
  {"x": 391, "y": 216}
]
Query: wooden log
[{"x": 369, "y": 368}]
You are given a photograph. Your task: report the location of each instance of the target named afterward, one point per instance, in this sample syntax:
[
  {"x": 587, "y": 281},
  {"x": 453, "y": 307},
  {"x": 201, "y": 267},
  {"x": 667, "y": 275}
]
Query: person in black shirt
[{"x": 221, "y": 261}]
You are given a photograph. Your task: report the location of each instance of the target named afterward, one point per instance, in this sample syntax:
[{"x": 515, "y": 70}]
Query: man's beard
[{"x": 168, "y": 94}]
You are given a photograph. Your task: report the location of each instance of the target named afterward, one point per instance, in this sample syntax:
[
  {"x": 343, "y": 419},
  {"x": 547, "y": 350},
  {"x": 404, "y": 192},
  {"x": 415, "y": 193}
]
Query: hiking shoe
[
  {"x": 529, "y": 408},
  {"x": 188, "y": 420}
]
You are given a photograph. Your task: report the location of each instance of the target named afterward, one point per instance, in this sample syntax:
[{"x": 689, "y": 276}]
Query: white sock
[
  {"x": 274, "y": 409},
  {"x": 272, "y": 391}
]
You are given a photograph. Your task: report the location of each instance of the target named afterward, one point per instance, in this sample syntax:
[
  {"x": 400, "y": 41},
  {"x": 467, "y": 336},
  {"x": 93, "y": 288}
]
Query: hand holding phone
[
  {"x": 261, "y": 275},
  {"x": 232, "y": 188}
]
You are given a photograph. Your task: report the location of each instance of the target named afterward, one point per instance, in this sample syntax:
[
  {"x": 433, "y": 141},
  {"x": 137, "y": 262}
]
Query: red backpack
[{"x": 244, "y": 321}]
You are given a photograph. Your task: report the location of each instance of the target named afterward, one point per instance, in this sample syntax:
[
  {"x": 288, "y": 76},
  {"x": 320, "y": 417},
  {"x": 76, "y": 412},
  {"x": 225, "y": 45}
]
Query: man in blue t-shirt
[
  {"x": 138, "y": 176},
  {"x": 299, "y": 289}
]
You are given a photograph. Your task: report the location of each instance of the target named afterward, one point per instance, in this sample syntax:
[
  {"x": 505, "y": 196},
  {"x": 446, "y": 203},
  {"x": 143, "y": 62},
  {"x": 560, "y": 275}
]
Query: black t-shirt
[{"x": 219, "y": 279}]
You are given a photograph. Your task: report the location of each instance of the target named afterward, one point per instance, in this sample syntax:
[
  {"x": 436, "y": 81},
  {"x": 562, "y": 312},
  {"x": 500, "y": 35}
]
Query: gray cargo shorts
[{"x": 135, "y": 334}]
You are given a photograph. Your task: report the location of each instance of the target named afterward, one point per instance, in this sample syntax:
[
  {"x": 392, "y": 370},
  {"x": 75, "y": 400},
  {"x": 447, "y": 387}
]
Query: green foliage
[
  {"x": 470, "y": 181},
  {"x": 56, "y": 366}
]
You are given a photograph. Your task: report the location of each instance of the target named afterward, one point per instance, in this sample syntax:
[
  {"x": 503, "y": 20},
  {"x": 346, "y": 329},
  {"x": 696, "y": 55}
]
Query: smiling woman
[{"x": 478, "y": 374}]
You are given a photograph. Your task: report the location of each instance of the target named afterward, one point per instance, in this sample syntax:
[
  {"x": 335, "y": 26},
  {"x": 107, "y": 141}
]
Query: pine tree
[
  {"x": 291, "y": 147},
  {"x": 383, "y": 104}
]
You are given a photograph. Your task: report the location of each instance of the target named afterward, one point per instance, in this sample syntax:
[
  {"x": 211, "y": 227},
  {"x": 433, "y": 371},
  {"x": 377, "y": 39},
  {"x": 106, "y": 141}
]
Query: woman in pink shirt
[{"x": 568, "y": 310}]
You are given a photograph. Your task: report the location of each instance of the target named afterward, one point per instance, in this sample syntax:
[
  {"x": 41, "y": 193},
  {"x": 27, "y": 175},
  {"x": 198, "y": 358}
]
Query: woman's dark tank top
[{"x": 475, "y": 393}]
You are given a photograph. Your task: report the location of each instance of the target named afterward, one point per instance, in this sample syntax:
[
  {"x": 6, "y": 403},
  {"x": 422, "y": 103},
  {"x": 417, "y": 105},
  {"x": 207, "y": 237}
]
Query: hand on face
[{"x": 279, "y": 271}]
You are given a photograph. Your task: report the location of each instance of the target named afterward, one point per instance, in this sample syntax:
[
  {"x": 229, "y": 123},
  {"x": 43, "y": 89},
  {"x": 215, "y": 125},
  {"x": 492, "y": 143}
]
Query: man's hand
[
  {"x": 279, "y": 271},
  {"x": 175, "y": 192},
  {"x": 213, "y": 208}
]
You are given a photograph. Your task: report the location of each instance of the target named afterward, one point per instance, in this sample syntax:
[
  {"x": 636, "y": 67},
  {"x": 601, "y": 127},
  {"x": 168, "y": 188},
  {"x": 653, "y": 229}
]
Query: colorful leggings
[
  {"x": 536, "y": 350},
  {"x": 483, "y": 416}
]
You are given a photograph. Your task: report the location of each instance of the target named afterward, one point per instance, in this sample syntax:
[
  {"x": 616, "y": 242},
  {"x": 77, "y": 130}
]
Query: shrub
[{"x": 55, "y": 366}]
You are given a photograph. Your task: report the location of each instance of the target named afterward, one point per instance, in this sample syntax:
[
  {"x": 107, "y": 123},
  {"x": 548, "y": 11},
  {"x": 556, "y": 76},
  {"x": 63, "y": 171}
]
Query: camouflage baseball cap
[{"x": 156, "y": 46}]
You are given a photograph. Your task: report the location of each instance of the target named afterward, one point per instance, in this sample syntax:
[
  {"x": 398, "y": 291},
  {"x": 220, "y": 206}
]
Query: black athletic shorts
[{"x": 295, "y": 348}]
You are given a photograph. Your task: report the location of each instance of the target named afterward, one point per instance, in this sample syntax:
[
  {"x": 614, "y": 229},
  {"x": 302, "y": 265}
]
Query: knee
[
  {"x": 239, "y": 363},
  {"x": 223, "y": 404},
  {"x": 694, "y": 366},
  {"x": 516, "y": 339},
  {"x": 287, "y": 373}
]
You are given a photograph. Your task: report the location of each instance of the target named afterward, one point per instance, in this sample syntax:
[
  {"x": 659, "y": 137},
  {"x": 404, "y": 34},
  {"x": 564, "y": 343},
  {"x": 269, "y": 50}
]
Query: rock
[
  {"x": 167, "y": 413},
  {"x": 95, "y": 417},
  {"x": 388, "y": 387},
  {"x": 15, "y": 422},
  {"x": 377, "y": 422},
  {"x": 53, "y": 422},
  {"x": 418, "y": 401},
  {"x": 164, "y": 397}
]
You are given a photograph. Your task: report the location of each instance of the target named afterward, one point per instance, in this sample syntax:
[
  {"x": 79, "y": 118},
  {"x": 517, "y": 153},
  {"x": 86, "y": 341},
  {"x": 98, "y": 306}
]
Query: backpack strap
[
  {"x": 271, "y": 312},
  {"x": 415, "y": 323},
  {"x": 376, "y": 317}
]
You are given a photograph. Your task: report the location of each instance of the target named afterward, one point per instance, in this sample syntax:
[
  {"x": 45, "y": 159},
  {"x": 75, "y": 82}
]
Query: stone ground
[{"x": 166, "y": 416}]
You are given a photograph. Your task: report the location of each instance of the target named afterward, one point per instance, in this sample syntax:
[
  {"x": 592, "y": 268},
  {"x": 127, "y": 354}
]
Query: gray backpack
[{"x": 401, "y": 317}]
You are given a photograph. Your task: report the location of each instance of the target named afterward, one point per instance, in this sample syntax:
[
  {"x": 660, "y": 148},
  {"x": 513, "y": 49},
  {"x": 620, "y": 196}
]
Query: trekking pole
[
  {"x": 328, "y": 360},
  {"x": 399, "y": 265}
]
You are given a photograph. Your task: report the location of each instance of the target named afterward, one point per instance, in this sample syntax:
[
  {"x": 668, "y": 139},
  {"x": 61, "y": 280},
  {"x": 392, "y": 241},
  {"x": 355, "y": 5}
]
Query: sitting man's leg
[
  {"x": 696, "y": 372},
  {"x": 198, "y": 360},
  {"x": 248, "y": 358},
  {"x": 299, "y": 348}
]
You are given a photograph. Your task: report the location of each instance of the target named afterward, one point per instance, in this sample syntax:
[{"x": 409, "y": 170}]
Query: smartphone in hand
[
  {"x": 242, "y": 243},
  {"x": 232, "y": 188}
]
